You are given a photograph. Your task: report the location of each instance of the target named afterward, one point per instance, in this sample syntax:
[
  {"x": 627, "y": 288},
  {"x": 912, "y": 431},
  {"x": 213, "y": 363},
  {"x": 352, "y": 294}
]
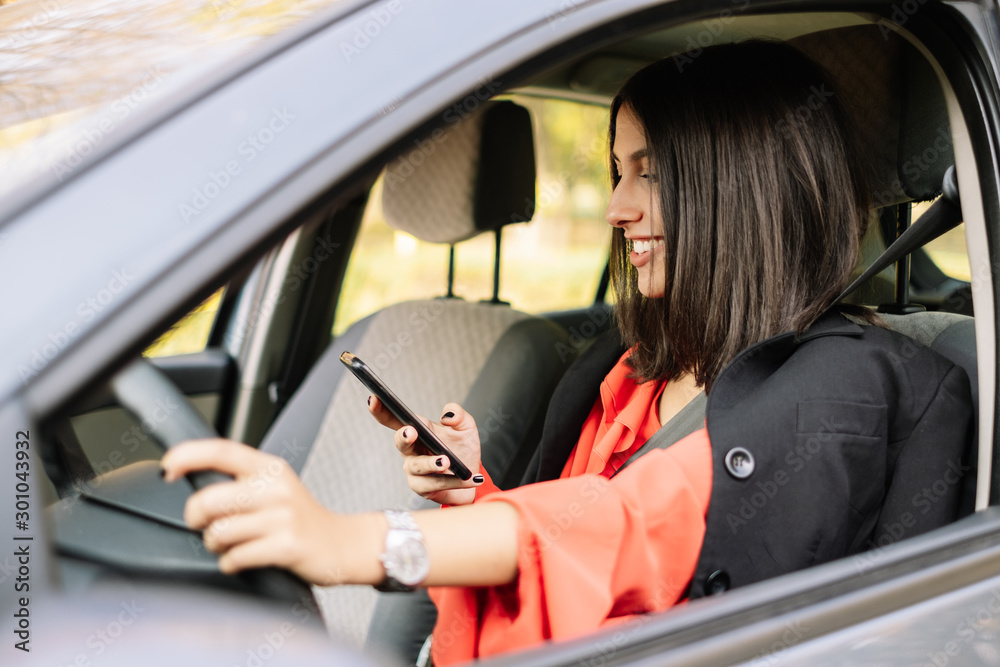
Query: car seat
[
  {"x": 894, "y": 99},
  {"x": 500, "y": 364}
]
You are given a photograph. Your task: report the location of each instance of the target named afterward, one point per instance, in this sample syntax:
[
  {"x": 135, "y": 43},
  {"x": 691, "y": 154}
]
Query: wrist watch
[{"x": 405, "y": 557}]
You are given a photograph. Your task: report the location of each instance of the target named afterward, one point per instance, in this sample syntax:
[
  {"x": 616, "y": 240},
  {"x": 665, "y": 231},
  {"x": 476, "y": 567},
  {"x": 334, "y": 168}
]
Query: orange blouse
[{"x": 592, "y": 551}]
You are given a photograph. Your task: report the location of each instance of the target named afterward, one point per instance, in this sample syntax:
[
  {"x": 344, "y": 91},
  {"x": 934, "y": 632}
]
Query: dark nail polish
[
  {"x": 478, "y": 479},
  {"x": 439, "y": 462},
  {"x": 369, "y": 401},
  {"x": 163, "y": 473},
  {"x": 448, "y": 415}
]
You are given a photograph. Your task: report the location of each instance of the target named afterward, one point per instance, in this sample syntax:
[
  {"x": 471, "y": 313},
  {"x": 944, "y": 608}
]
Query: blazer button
[
  {"x": 717, "y": 582},
  {"x": 740, "y": 463}
]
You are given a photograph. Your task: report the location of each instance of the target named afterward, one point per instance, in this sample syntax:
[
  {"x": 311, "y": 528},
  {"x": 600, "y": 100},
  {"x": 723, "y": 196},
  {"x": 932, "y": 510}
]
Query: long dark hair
[{"x": 763, "y": 199}]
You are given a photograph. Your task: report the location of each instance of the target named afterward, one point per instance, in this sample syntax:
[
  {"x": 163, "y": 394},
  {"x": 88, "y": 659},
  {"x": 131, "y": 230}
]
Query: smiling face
[{"x": 634, "y": 204}]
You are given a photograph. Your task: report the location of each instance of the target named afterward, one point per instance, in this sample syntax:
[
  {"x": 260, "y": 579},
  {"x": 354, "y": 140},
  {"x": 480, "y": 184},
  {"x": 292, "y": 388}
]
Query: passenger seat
[{"x": 500, "y": 364}]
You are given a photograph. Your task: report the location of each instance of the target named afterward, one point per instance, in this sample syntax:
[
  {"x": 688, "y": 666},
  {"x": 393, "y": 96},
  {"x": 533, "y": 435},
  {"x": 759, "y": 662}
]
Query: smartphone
[{"x": 399, "y": 410}]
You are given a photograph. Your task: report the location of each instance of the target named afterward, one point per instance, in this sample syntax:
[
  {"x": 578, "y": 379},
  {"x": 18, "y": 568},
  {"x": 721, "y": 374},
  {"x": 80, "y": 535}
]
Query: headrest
[
  {"x": 474, "y": 175},
  {"x": 895, "y": 101}
]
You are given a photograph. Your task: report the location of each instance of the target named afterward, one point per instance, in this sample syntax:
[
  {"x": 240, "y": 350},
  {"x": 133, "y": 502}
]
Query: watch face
[
  {"x": 414, "y": 563},
  {"x": 405, "y": 558}
]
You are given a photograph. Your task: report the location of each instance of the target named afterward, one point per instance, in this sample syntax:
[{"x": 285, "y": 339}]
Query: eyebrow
[{"x": 635, "y": 156}]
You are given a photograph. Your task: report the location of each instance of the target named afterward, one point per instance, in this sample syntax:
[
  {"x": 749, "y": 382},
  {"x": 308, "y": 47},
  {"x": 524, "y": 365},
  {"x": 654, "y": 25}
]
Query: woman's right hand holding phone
[{"x": 429, "y": 475}]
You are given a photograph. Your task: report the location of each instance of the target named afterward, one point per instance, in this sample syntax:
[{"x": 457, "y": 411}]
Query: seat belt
[
  {"x": 690, "y": 418},
  {"x": 943, "y": 216}
]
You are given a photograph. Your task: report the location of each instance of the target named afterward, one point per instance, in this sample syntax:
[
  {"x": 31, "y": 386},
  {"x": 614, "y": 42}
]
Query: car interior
[{"x": 266, "y": 370}]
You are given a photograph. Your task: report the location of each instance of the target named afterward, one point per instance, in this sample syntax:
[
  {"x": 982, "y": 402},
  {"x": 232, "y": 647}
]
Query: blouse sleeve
[{"x": 591, "y": 551}]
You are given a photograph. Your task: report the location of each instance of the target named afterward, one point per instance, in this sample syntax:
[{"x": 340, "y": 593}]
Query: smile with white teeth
[{"x": 645, "y": 246}]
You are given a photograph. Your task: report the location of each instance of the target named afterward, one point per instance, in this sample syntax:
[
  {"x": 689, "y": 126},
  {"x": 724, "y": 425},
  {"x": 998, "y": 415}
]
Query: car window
[
  {"x": 948, "y": 251},
  {"x": 564, "y": 247},
  {"x": 190, "y": 333}
]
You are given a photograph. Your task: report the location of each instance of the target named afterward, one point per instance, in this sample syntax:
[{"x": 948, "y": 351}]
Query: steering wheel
[{"x": 141, "y": 388}]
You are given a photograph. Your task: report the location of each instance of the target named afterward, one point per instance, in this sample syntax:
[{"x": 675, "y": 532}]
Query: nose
[{"x": 622, "y": 208}]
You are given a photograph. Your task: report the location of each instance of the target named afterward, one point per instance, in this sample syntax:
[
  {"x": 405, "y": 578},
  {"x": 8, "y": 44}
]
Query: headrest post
[
  {"x": 902, "y": 305},
  {"x": 451, "y": 271},
  {"x": 903, "y": 218},
  {"x": 496, "y": 266}
]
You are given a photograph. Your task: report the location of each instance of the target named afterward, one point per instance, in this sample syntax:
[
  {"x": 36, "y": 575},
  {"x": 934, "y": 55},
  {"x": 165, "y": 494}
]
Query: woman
[{"x": 736, "y": 224}]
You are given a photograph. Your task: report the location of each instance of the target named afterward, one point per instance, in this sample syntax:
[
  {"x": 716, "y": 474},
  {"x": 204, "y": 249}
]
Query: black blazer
[{"x": 843, "y": 439}]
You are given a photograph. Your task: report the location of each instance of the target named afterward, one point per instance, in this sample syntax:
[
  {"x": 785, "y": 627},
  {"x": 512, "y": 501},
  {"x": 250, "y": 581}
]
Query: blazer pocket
[
  {"x": 840, "y": 418},
  {"x": 852, "y": 437}
]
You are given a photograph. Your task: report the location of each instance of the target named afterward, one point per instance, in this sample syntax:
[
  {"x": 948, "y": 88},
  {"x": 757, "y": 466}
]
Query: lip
[{"x": 641, "y": 259}]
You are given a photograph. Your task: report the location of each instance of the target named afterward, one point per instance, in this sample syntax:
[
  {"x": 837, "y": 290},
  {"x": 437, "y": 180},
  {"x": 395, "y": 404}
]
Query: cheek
[{"x": 657, "y": 274}]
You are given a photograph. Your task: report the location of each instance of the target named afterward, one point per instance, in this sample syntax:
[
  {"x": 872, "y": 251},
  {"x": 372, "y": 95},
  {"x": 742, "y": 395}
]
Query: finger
[
  {"x": 425, "y": 465},
  {"x": 454, "y": 416},
  {"x": 262, "y": 552},
  {"x": 433, "y": 483},
  {"x": 429, "y": 484},
  {"x": 229, "y": 531},
  {"x": 218, "y": 501},
  {"x": 406, "y": 440},
  {"x": 382, "y": 415},
  {"x": 225, "y": 456}
]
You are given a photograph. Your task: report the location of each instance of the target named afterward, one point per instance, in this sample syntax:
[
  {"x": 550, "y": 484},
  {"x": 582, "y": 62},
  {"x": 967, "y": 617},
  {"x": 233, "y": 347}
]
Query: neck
[{"x": 677, "y": 393}]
